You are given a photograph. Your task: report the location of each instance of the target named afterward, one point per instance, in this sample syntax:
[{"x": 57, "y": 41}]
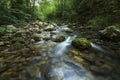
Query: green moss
[
  {"x": 2, "y": 29},
  {"x": 81, "y": 43},
  {"x": 111, "y": 32}
]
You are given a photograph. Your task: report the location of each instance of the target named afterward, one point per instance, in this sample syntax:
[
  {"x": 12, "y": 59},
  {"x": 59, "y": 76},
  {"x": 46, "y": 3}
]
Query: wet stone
[{"x": 1, "y": 43}]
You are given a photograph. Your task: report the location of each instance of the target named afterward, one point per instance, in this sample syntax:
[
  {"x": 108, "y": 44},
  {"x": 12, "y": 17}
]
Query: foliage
[
  {"x": 2, "y": 29},
  {"x": 46, "y": 9},
  {"x": 16, "y": 11},
  {"x": 5, "y": 28},
  {"x": 89, "y": 9},
  {"x": 94, "y": 12},
  {"x": 98, "y": 21}
]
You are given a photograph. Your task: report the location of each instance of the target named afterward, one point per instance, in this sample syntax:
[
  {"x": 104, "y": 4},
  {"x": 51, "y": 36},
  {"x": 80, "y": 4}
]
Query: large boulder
[
  {"x": 111, "y": 33},
  {"x": 81, "y": 43},
  {"x": 58, "y": 38}
]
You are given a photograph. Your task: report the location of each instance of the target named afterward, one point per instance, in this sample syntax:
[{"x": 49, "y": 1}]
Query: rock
[
  {"x": 36, "y": 37},
  {"x": 45, "y": 23},
  {"x": 45, "y": 35},
  {"x": 111, "y": 33},
  {"x": 7, "y": 28},
  {"x": 2, "y": 29},
  {"x": 55, "y": 32},
  {"x": 58, "y": 38},
  {"x": 81, "y": 43},
  {"x": 104, "y": 69},
  {"x": 79, "y": 59},
  {"x": 34, "y": 71},
  {"x": 18, "y": 39},
  {"x": 1, "y": 43},
  {"x": 36, "y": 26},
  {"x": 15, "y": 46},
  {"x": 40, "y": 23},
  {"x": 9, "y": 73},
  {"x": 20, "y": 33},
  {"x": 49, "y": 28},
  {"x": 10, "y": 28},
  {"x": 68, "y": 30},
  {"x": 74, "y": 52}
]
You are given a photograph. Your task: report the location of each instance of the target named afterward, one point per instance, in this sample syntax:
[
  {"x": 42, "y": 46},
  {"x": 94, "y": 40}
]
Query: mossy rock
[
  {"x": 7, "y": 28},
  {"x": 2, "y": 29},
  {"x": 58, "y": 38},
  {"x": 111, "y": 33},
  {"x": 81, "y": 43}
]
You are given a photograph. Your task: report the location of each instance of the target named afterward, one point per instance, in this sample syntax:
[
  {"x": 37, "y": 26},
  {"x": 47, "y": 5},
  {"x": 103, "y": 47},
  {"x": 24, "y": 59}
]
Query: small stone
[
  {"x": 79, "y": 59},
  {"x": 58, "y": 38},
  {"x": 67, "y": 30},
  {"x": 49, "y": 28},
  {"x": 36, "y": 37},
  {"x": 1, "y": 43},
  {"x": 74, "y": 52}
]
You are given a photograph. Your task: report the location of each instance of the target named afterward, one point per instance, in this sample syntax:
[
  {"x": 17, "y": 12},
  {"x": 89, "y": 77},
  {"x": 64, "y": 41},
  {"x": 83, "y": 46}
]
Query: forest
[{"x": 59, "y": 39}]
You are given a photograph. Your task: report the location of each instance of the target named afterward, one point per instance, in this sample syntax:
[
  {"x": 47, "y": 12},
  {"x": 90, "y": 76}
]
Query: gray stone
[
  {"x": 58, "y": 38},
  {"x": 1, "y": 43}
]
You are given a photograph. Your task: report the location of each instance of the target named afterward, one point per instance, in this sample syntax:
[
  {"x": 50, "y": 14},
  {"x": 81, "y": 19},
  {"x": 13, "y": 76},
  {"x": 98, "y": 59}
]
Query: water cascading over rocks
[{"x": 62, "y": 69}]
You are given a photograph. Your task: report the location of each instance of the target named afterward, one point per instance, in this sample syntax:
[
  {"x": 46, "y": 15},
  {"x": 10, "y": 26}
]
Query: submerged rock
[
  {"x": 58, "y": 38},
  {"x": 104, "y": 69},
  {"x": 81, "y": 43},
  {"x": 111, "y": 32}
]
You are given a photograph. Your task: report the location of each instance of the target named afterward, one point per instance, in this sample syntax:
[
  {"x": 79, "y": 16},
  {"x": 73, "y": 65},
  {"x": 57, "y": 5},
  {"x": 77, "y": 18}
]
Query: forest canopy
[{"x": 94, "y": 12}]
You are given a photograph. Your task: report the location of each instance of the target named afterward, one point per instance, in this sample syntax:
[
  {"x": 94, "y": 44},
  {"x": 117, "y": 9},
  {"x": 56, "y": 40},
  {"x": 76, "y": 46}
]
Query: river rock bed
[{"x": 23, "y": 51}]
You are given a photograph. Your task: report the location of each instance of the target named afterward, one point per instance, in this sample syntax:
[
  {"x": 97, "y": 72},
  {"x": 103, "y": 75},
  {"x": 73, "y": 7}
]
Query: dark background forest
[{"x": 93, "y": 12}]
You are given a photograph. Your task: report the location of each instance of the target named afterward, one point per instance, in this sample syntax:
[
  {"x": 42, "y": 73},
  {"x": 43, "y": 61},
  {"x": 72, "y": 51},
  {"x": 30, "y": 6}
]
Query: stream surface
[{"x": 62, "y": 69}]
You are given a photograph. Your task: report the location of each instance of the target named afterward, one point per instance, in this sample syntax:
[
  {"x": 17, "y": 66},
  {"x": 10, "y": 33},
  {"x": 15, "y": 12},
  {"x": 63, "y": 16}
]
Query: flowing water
[
  {"x": 62, "y": 69},
  {"x": 59, "y": 66},
  {"x": 97, "y": 48}
]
